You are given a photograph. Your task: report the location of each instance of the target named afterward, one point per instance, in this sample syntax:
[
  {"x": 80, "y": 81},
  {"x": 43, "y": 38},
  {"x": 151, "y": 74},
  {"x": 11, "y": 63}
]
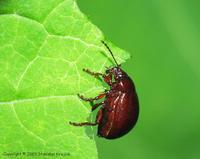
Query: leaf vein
[
  {"x": 53, "y": 9},
  {"x": 24, "y": 127},
  {"x": 25, "y": 71}
]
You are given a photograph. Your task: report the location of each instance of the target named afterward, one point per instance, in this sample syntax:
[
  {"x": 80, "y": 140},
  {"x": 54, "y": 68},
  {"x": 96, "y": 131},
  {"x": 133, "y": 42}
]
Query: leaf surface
[{"x": 44, "y": 45}]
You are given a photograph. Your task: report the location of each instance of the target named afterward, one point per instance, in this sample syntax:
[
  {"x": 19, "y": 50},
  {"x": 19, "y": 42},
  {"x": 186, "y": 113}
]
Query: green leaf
[{"x": 44, "y": 45}]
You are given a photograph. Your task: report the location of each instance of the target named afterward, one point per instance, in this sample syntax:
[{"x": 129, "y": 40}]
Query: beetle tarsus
[
  {"x": 92, "y": 99},
  {"x": 80, "y": 96},
  {"x": 95, "y": 74},
  {"x": 83, "y": 124},
  {"x": 85, "y": 99}
]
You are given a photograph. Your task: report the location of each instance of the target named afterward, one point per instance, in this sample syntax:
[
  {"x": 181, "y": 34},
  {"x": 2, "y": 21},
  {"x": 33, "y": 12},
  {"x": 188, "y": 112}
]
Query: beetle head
[{"x": 117, "y": 72}]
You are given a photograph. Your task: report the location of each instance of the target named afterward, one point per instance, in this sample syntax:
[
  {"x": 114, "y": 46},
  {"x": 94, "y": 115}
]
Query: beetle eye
[{"x": 107, "y": 71}]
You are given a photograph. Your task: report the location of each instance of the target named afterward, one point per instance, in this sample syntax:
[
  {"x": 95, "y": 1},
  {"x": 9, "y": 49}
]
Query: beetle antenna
[{"x": 110, "y": 51}]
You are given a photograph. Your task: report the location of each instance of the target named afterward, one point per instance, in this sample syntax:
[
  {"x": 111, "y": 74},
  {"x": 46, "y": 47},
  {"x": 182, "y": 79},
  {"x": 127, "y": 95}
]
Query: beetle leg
[
  {"x": 96, "y": 106},
  {"x": 83, "y": 124},
  {"x": 108, "y": 79},
  {"x": 95, "y": 74},
  {"x": 92, "y": 99},
  {"x": 98, "y": 119}
]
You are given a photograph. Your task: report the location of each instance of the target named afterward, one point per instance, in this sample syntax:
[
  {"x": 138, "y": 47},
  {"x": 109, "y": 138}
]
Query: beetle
[{"x": 120, "y": 108}]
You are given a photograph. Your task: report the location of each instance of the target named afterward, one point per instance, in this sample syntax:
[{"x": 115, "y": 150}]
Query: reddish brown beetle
[{"x": 120, "y": 109}]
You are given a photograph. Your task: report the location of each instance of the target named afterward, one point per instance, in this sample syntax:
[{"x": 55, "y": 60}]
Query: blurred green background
[{"x": 163, "y": 37}]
